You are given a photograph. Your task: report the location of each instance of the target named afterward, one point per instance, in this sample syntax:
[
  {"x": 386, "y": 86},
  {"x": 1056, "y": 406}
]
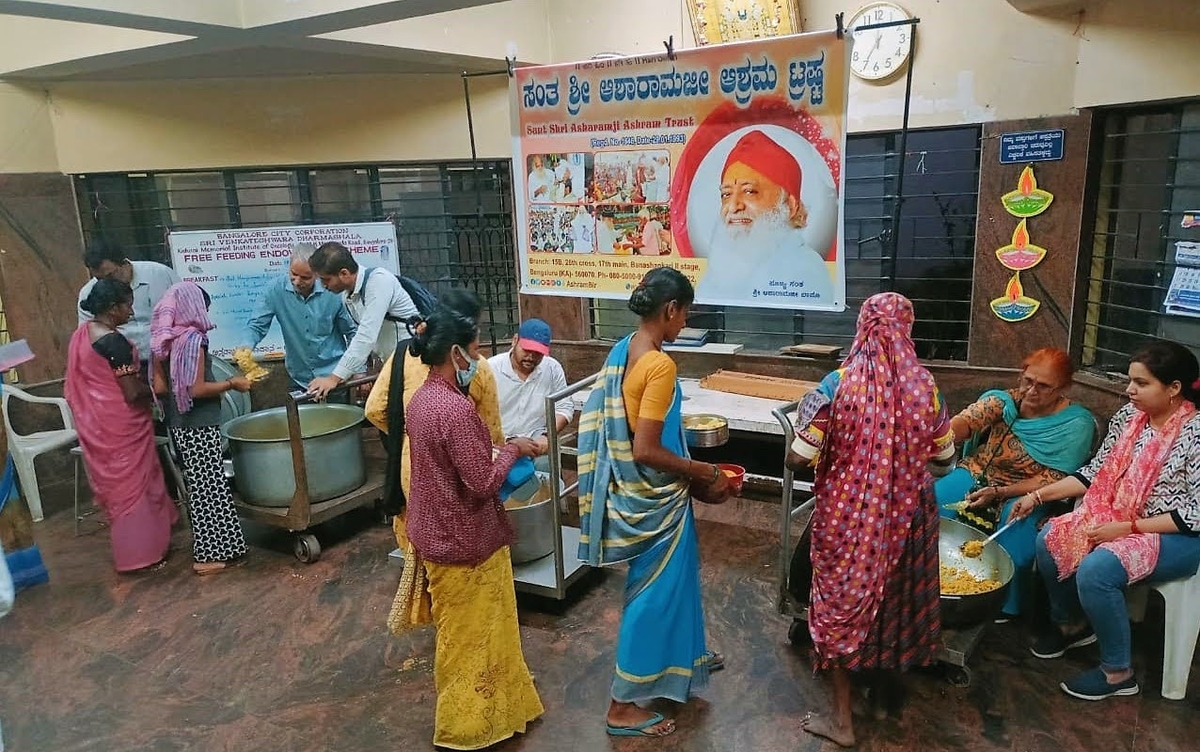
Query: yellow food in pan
[
  {"x": 972, "y": 549},
  {"x": 957, "y": 581},
  {"x": 702, "y": 422}
]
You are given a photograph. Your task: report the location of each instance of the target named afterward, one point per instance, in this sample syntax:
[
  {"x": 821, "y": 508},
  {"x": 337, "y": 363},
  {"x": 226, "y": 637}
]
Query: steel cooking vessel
[
  {"x": 717, "y": 435},
  {"x": 262, "y": 453},
  {"x": 959, "y": 611}
]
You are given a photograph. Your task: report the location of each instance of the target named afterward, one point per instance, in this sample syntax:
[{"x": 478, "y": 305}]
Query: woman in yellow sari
[
  {"x": 394, "y": 389},
  {"x": 457, "y": 566}
]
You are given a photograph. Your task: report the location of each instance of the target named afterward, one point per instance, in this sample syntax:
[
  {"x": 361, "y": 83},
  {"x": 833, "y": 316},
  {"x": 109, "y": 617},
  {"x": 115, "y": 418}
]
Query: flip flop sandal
[
  {"x": 716, "y": 661},
  {"x": 640, "y": 729}
]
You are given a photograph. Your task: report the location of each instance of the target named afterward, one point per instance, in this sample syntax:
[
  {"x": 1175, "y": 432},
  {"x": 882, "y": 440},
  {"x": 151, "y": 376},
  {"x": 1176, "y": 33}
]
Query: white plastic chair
[
  {"x": 25, "y": 449},
  {"x": 1182, "y": 599}
]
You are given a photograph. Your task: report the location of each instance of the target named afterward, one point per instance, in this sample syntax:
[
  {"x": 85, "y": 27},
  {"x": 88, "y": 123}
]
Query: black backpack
[{"x": 422, "y": 298}]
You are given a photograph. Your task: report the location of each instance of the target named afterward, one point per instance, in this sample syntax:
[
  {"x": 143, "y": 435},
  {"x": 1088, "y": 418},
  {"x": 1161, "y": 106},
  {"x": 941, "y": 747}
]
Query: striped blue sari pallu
[{"x": 633, "y": 513}]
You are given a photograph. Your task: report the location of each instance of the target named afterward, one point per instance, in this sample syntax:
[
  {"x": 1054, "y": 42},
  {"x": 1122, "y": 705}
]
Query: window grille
[
  {"x": 1149, "y": 176},
  {"x": 453, "y": 219},
  {"x": 933, "y": 266}
]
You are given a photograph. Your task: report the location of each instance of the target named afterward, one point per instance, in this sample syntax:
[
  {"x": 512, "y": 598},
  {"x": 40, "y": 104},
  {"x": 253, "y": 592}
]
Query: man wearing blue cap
[{"x": 525, "y": 376}]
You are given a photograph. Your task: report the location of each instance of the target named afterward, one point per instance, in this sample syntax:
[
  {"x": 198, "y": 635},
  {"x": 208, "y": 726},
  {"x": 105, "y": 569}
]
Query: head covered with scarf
[
  {"x": 178, "y": 329},
  {"x": 886, "y": 392},
  {"x": 872, "y": 475}
]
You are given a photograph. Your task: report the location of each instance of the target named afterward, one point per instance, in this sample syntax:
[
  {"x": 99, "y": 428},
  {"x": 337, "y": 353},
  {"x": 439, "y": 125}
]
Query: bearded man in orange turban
[{"x": 758, "y": 248}]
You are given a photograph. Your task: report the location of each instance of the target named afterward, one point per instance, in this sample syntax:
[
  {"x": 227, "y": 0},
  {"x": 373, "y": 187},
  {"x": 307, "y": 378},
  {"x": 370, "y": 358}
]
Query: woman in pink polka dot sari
[{"x": 876, "y": 429}]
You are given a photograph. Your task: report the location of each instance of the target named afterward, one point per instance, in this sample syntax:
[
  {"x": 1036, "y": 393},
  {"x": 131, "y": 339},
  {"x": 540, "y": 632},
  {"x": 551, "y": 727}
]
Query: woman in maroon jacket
[{"x": 460, "y": 534}]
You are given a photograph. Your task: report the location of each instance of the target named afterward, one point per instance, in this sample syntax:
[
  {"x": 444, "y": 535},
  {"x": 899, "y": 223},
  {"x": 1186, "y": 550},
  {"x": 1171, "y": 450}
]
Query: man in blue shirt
[{"x": 316, "y": 325}]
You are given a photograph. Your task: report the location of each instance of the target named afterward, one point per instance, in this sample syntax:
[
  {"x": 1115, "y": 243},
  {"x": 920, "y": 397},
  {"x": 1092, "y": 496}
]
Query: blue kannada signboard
[{"x": 1031, "y": 146}]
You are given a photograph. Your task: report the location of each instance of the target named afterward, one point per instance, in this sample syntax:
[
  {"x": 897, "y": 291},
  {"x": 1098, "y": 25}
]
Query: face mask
[{"x": 465, "y": 375}]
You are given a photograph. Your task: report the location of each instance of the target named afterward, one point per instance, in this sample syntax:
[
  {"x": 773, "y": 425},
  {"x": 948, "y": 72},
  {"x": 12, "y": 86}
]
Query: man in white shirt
[
  {"x": 149, "y": 280},
  {"x": 378, "y": 304},
  {"x": 525, "y": 376}
]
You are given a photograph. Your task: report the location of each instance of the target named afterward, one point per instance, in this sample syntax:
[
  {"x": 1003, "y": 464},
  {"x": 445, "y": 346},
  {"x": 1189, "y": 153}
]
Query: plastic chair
[
  {"x": 1182, "y": 599},
  {"x": 163, "y": 444},
  {"x": 25, "y": 449}
]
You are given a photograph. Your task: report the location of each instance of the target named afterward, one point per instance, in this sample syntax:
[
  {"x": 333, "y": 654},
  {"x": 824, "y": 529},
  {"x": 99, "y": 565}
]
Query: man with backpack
[{"x": 376, "y": 300}]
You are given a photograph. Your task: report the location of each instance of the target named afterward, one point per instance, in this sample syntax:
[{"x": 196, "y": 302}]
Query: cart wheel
[
  {"x": 958, "y": 676},
  {"x": 798, "y": 632},
  {"x": 306, "y": 548}
]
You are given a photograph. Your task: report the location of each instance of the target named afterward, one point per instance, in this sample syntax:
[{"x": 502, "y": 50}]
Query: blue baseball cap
[{"x": 534, "y": 336}]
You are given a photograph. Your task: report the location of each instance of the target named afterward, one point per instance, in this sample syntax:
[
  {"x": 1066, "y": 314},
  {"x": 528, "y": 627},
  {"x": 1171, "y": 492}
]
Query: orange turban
[{"x": 759, "y": 152}]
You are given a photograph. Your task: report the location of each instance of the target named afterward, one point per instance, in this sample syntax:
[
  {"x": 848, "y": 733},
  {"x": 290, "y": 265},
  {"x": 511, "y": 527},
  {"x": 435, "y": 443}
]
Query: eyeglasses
[{"x": 1031, "y": 385}]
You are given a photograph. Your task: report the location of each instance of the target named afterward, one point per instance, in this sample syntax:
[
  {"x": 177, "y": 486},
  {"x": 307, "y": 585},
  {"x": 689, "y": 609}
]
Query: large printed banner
[
  {"x": 725, "y": 163},
  {"x": 236, "y": 266}
]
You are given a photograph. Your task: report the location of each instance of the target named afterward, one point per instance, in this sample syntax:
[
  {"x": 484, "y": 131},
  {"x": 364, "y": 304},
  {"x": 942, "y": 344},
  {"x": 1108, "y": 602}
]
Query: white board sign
[{"x": 235, "y": 266}]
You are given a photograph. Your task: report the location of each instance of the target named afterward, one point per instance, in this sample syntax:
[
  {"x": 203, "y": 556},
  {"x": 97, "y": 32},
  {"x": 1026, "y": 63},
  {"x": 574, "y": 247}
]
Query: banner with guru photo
[{"x": 726, "y": 163}]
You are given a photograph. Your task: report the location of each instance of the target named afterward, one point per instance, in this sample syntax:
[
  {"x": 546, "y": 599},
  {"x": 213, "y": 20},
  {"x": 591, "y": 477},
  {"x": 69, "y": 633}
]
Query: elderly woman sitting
[{"x": 1034, "y": 436}]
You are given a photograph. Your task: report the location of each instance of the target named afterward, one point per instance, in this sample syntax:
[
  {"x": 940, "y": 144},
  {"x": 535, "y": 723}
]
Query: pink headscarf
[
  {"x": 872, "y": 476},
  {"x": 178, "y": 329}
]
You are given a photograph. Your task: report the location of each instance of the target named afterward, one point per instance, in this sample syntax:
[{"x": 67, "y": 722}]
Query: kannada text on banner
[
  {"x": 725, "y": 163},
  {"x": 235, "y": 267}
]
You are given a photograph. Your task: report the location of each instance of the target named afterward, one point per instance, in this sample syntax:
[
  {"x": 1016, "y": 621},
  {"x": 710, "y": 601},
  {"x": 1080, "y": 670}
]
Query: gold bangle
[{"x": 1037, "y": 496}]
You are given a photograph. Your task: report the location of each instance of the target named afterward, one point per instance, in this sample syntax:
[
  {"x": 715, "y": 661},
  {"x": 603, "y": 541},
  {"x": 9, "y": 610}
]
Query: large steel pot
[
  {"x": 533, "y": 523},
  {"x": 262, "y": 453},
  {"x": 960, "y": 611}
]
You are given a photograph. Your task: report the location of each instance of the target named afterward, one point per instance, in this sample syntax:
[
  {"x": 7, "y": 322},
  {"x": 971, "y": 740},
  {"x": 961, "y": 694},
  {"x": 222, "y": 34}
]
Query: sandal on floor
[
  {"x": 203, "y": 568},
  {"x": 716, "y": 661},
  {"x": 641, "y": 729}
]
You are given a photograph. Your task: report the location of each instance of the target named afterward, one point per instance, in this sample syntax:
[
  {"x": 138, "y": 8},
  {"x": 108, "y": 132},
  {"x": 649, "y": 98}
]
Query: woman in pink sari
[
  {"x": 873, "y": 427},
  {"x": 1139, "y": 519},
  {"x": 111, "y": 405}
]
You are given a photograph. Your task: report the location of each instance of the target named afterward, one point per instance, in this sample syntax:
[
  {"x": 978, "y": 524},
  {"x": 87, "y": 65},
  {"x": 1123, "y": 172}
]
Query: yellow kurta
[{"x": 482, "y": 392}]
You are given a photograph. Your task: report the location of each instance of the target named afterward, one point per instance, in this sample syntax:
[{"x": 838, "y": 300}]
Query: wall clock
[{"x": 880, "y": 53}]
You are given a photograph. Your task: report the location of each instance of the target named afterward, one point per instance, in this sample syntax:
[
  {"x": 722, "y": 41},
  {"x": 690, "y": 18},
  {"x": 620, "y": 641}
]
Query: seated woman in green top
[{"x": 1035, "y": 436}]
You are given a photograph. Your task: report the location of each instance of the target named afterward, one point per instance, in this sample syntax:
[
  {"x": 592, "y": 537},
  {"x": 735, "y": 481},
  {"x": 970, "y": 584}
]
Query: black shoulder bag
[{"x": 394, "y": 500}]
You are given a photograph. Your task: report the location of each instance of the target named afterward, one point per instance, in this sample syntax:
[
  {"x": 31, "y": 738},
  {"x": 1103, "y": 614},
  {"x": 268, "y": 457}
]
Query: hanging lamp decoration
[
  {"x": 1014, "y": 306},
  {"x": 1021, "y": 254},
  {"x": 1028, "y": 200}
]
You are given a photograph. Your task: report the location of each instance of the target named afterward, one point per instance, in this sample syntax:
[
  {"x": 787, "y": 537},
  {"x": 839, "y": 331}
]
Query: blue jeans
[{"x": 1098, "y": 590}]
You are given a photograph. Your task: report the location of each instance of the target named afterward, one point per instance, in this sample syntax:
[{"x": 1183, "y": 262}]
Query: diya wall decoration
[{"x": 1021, "y": 254}]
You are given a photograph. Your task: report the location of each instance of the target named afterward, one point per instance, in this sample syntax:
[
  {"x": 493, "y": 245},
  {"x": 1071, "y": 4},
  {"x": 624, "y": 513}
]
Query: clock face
[{"x": 879, "y": 53}]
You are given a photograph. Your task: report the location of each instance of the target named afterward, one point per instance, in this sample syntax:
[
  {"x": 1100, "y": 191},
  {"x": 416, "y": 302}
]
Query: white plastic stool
[
  {"x": 1183, "y": 627},
  {"x": 1182, "y": 599}
]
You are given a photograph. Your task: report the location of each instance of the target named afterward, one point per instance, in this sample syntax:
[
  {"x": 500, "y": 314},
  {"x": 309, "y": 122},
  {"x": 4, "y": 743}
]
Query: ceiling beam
[
  {"x": 189, "y": 18},
  {"x": 310, "y": 17},
  {"x": 1038, "y": 6}
]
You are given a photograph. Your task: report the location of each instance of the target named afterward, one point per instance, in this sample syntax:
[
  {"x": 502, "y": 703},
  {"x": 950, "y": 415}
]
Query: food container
[
  {"x": 705, "y": 430},
  {"x": 262, "y": 453},
  {"x": 736, "y": 475},
  {"x": 960, "y": 611},
  {"x": 533, "y": 523}
]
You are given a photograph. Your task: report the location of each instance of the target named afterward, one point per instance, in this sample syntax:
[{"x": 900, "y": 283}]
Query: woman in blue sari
[
  {"x": 636, "y": 482},
  {"x": 1035, "y": 436}
]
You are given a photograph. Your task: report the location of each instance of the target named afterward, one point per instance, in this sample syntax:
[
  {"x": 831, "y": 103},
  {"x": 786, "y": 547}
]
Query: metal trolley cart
[
  {"x": 302, "y": 514},
  {"x": 553, "y": 575},
  {"x": 957, "y": 645}
]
